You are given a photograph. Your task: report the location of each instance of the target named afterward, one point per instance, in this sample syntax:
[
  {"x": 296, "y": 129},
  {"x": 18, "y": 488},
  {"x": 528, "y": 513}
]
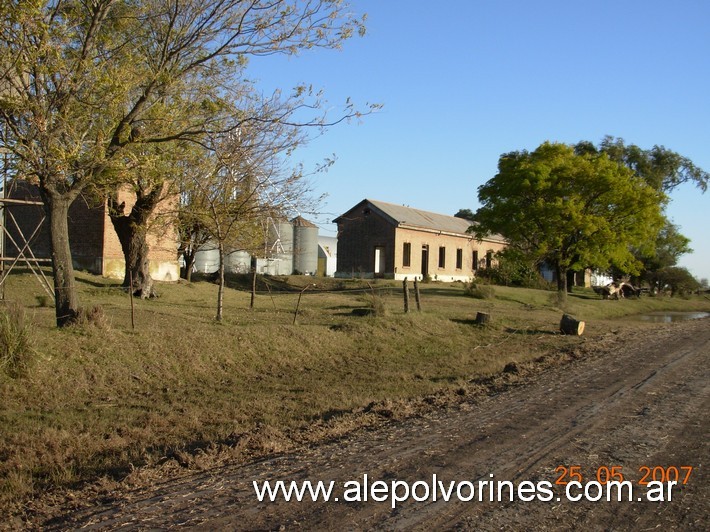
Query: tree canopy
[
  {"x": 570, "y": 210},
  {"x": 661, "y": 168}
]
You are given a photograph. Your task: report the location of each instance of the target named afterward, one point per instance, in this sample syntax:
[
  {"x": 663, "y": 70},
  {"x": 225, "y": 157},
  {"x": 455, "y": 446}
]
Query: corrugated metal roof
[
  {"x": 425, "y": 219},
  {"x": 401, "y": 215}
]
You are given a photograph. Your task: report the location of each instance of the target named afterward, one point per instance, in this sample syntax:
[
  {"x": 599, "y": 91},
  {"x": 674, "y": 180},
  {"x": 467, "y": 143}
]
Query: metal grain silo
[
  {"x": 207, "y": 260},
  {"x": 238, "y": 262},
  {"x": 279, "y": 247},
  {"x": 305, "y": 246}
]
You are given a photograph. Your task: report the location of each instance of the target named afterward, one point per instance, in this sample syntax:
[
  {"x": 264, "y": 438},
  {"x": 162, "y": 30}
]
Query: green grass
[{"x": 99, "y": 400}]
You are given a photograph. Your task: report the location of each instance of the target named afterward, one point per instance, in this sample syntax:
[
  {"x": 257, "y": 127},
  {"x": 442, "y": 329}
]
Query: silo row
[{"x": 291, "y": 247}]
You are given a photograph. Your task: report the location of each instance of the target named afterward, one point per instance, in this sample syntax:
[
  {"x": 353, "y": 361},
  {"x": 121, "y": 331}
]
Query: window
[
  {"x": 475, "y": 261},
  {"x": 459, "y": 258},
  {"x": 407, "y": 255},
  {"x": 489, "y": 259},
  {"x": 442, "y": 257}
]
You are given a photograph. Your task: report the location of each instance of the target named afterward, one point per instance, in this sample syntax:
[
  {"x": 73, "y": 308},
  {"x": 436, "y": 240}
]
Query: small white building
[{"x": 327, "y": 255}]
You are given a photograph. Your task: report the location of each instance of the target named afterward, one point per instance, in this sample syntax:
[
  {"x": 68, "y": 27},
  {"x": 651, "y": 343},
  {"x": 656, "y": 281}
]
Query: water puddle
[{"x": 670, "y": 316}]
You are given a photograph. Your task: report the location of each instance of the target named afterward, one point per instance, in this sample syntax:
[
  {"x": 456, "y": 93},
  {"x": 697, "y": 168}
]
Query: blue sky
[{"x": 463, "y": 82}]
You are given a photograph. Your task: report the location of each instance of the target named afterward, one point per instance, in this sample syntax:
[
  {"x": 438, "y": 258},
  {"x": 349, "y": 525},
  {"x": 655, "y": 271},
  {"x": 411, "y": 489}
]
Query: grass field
[{"x": 99, "y": 399}]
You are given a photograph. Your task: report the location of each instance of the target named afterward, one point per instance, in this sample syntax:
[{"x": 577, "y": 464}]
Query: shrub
[
  {"x": 17, "y": 352},
  {"x": 376, "y": 304},
  {"x": 94, "y": 316},
  {"x": 479, "y": 291}
]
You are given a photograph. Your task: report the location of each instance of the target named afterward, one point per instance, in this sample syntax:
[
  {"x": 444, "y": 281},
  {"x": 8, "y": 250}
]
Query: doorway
[
  {"x": 379, "y": 261},
  {"x": 425, "y": 260}
]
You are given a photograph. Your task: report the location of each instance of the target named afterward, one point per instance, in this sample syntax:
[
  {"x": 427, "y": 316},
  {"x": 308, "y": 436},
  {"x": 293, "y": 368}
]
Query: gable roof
[{"x": 402, "y": 216}]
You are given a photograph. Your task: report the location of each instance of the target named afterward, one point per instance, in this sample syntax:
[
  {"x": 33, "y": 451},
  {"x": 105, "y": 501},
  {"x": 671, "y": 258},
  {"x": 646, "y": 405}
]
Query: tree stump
[
  {"x": 482, "y": 318},
  {"x": 569, "y": 325}
]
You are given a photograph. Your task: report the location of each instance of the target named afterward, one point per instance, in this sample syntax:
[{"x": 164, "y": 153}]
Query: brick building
[
  {"x": 94, "y": 244},
  {"x": 378, "y": 239}
]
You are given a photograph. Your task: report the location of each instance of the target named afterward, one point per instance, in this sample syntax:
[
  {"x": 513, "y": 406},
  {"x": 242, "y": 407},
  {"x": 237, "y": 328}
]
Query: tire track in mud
[{"x": 628, "y": 403}]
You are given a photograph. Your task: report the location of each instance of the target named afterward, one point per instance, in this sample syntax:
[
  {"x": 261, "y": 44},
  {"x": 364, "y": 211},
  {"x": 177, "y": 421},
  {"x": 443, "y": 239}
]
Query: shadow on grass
[
  {"x": 109, "y": 283},
  {"x": 430, "y": 291},
  {"x": 471, "y": 321},
  {"x": 535, "y": 332}
]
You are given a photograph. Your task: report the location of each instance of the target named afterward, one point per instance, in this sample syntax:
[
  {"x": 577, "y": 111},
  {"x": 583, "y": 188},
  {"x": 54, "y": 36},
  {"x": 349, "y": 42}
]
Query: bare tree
[{"x": 249, "y": 182}]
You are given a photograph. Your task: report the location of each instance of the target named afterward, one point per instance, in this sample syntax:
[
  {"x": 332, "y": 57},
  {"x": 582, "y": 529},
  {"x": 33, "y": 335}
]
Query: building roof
[{"x": 403, "y": 216}]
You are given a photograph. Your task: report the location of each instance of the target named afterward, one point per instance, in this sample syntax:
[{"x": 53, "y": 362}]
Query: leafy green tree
[
  {"x": 664, "y": 170},
  {"x": 661, "y": 168},
  {"x": 83, "y": 85},
  {"x": 676, "y": 279},
  {"x": 466, "y": 214},
  {"x": 569, "y": 210},
  {"x": 670, "y": 246}
]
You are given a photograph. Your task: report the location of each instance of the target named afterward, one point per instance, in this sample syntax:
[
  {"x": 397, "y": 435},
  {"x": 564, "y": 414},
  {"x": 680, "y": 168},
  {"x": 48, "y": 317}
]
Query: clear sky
[{"x": 465, "y": 81}]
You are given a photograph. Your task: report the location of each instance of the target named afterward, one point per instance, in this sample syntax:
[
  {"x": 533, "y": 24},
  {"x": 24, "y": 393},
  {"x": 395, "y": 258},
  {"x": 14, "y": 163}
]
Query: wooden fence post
[
  {"x": 253, "y": 290},
  {"x": 130, "y": 295},
  {"x": 417, "y": 297},
  {"x": 406, "y": 295},
  {"x": 298, "y": 304}
]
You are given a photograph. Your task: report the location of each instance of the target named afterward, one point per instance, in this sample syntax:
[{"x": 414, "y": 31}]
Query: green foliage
[
  {"x": 17, "y": 352},
  {"x": 670, "y": 244},
  {"x": 570, "y": 210},
  {"x": 512, "y": 269},
  {"x": 661, "y": 168},
  {"x": 466, "y": 214},
  {"x": 675, "y": 279}
]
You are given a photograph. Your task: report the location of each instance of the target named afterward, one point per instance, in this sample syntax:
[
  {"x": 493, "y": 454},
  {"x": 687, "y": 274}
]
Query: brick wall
[
  {"x": 94, "y": 244},
  {"x": 358, "y": 236},
  {"x": 418, "y": 239},
  {"x": 85, "y": 228}
]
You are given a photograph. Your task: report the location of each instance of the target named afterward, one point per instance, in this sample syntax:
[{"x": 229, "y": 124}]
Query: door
[
  {"x": 379, "y": 261},
  {"x": 425, "y": 260}
]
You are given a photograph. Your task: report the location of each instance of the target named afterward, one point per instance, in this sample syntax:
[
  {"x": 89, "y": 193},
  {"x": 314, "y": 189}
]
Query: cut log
[
  {"x": 482, "y": 318},
  {"x": 569, "y": 325}
]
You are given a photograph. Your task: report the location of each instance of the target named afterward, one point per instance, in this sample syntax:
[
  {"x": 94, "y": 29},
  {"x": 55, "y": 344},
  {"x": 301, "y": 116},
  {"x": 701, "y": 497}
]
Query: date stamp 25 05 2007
[{"x": 606, "y": 474}]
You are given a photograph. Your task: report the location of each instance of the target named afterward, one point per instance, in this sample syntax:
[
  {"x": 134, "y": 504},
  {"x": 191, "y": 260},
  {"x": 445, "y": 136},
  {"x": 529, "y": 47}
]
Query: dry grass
[
  {"x": 103, "y": 398},
  {"x": 17, "y": 353}
]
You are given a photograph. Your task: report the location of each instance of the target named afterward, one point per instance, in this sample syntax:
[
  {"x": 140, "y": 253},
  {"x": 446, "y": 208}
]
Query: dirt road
[{"x": 632, "y": 402}]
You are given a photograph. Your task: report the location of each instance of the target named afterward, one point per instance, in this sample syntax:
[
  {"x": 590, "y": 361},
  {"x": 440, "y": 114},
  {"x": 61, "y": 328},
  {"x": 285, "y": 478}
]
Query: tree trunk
[
  {"x": 561, "y": 283},
  {"x": 571, "y": 280},
  {"x": 132, "y": 232},
  {"x": 135, "y": 253},
  {"x": 220, "y": 280},
  {"x": 56, "y": 207},
  {"x": 189, "y": 256}
]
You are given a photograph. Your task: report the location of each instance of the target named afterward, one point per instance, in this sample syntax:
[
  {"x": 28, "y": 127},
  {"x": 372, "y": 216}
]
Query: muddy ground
[{"x": 626, "y": 400}]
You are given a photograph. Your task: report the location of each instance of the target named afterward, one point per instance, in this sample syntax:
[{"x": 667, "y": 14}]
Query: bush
[
  {"x": 17, "y": 352},
  {"x": 94, "y": 316},
  {"x": 376, "y": 305},
  {"x": 479, "y": 291}
]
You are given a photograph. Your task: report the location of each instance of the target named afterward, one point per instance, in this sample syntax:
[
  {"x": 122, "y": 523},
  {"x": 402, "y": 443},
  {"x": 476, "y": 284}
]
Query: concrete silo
[{"x": 305, "y": 246}]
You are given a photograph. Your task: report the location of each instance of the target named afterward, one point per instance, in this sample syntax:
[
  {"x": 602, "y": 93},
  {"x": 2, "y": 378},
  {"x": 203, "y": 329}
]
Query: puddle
[{"x": 670, "y": 317}]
